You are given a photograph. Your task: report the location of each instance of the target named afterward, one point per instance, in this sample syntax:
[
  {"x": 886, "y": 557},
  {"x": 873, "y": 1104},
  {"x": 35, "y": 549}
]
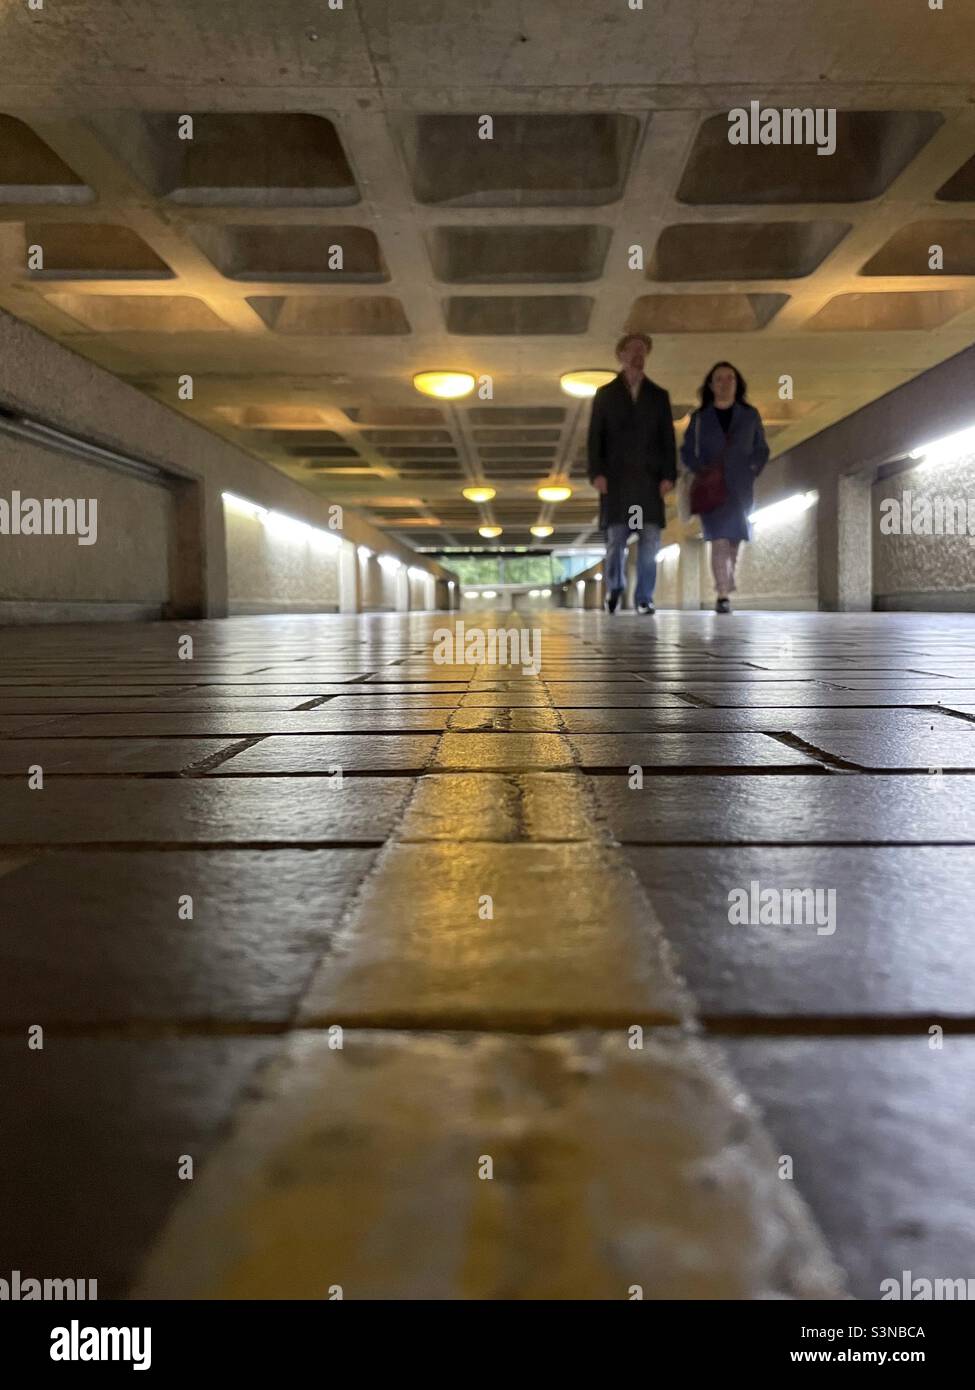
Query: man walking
[{"x": 632, "y": 465}]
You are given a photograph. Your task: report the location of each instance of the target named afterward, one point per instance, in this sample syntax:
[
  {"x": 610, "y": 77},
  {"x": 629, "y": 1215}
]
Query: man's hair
[{"x": 628, "y": 338}]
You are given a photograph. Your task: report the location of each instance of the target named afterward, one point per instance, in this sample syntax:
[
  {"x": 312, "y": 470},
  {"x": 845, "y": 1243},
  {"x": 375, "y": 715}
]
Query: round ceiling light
[
  {"x": 554, "y": 492},
  {"x": 447, "y": 386},
  {"x": 542, "y": 531},
  {"x": 585, "y": 383},
  {"x": 489, "y": 532},
  {"x": 479, "y": 494}
]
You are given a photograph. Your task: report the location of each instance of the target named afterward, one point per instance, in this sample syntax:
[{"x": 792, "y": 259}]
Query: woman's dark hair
[{"x": 741, "y": 385}]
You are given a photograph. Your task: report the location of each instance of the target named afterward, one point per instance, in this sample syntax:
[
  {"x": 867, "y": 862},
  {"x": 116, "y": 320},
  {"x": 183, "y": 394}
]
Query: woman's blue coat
[{"x": 747, "y": 455}]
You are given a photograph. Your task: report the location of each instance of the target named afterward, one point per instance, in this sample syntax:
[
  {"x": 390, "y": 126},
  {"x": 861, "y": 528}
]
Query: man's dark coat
[{"x": 632, "y": 444}]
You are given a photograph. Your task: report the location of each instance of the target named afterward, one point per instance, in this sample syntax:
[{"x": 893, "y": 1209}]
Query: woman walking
[{"x": 725, "y": 440}]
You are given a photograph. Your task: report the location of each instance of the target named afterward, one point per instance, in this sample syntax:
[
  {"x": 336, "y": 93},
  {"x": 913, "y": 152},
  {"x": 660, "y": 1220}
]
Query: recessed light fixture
[
  {"x": 243, "y": 505},
  {"x": 489, "y": 532},
  {"x": 786, "y": 509},
  {"x": 283, "y": 526},
  {"x": 541, "y": 531},
  {"x": 447, "y": 386},
  {"x": 952, "y": 446},
  {"x": 480, "y": 493},
  {"x": 489, "y": 593},
  {"x": 585, "y": 383},
  {"x": 554, "y": 492}
]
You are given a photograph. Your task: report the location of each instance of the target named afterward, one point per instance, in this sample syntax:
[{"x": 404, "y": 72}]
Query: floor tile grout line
[
  {"x": 829, "y": 760},
  {"x": 660, "y": 771},
  {"x": 841, "y": 1026}
]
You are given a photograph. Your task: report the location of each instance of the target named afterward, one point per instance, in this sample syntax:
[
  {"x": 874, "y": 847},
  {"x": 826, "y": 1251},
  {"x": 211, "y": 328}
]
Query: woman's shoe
[
  {"x": 614, "y": 597},
  {"x": 723, "y": 605}
]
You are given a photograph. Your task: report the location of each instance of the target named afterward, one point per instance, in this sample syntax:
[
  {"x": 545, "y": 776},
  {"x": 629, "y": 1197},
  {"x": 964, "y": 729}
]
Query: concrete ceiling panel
[
  {"x": 743, "y": 250},
  {"x": 307, "y": 254},
  {"x": 308, "y": 316},
  {"x": 518, "y": 255},
  {"x": 234, "y": 159},
  {"x": 703, "y": 313},
  {"x": 909, "y": 251},
  {"x": 524, "y": 315},
  {"x": 121, "y": 313},
  {"x": 528, "y": 160},
  {"x": 890, "y": 311},
  {"x": 872, "y": 148},
  {"x": 31, "y": 172}
]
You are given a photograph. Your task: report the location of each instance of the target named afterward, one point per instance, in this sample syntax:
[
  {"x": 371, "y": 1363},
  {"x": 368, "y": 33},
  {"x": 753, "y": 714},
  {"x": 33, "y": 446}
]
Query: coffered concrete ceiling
[{"x": 358, "y": 127}]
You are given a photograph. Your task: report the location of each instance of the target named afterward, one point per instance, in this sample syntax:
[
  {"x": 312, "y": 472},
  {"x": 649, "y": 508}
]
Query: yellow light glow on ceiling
[
  {"x": 447, "y": 386},
  {"x": 542, "y": 531},
  {"x": 489, "y": 532},
  {"x": 479, "y": 494},
  {"x": 585, "y": 383},
  {"x": 554, "y": 492}
]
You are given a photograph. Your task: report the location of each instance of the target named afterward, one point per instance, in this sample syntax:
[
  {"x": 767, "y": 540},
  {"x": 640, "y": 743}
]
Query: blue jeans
[{"x": 648, "y": 543}]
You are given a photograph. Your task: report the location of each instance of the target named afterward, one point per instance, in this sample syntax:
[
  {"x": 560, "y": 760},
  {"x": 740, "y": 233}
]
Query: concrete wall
[
  {"x": 842, "y": 464},
  {"x": 45, "y": 381},
  {"x": 422, "y": 592},
  {"x": 924, "y": 571},
  {"x": 778, "y": 569},
  {"x": 276, "y": 571},
  {"x": 125, "y": 573}
]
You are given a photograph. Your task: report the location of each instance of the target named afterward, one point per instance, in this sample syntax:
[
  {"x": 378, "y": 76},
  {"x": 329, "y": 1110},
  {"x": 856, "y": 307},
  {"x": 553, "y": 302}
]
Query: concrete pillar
[
  {"x": 188, "y": 596},
  {"x": 688, "y": 577},
  {"x": 402, "y": 590},
  {"x": 844, "y": 540},
  {"x": 208, "y": 530},
  {"x": 370, "y": 583},
  {"x": 350, "y": 593}
]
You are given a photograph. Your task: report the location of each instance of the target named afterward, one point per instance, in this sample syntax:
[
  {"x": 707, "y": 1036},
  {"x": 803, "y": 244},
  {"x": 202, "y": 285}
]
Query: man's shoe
[
  {"x": 646, "y": 608},
  {"x": 723, "y": 605},
  {"x": 613, "y": 600}
]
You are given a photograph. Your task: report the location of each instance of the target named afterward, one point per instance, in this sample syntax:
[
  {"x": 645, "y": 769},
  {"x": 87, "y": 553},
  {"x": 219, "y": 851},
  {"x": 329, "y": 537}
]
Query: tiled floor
[{"x": 434, "y": 973}]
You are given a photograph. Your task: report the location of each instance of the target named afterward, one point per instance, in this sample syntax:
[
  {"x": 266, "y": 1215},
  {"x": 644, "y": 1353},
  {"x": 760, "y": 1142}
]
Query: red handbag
[{"x": 709, "y": 490}]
